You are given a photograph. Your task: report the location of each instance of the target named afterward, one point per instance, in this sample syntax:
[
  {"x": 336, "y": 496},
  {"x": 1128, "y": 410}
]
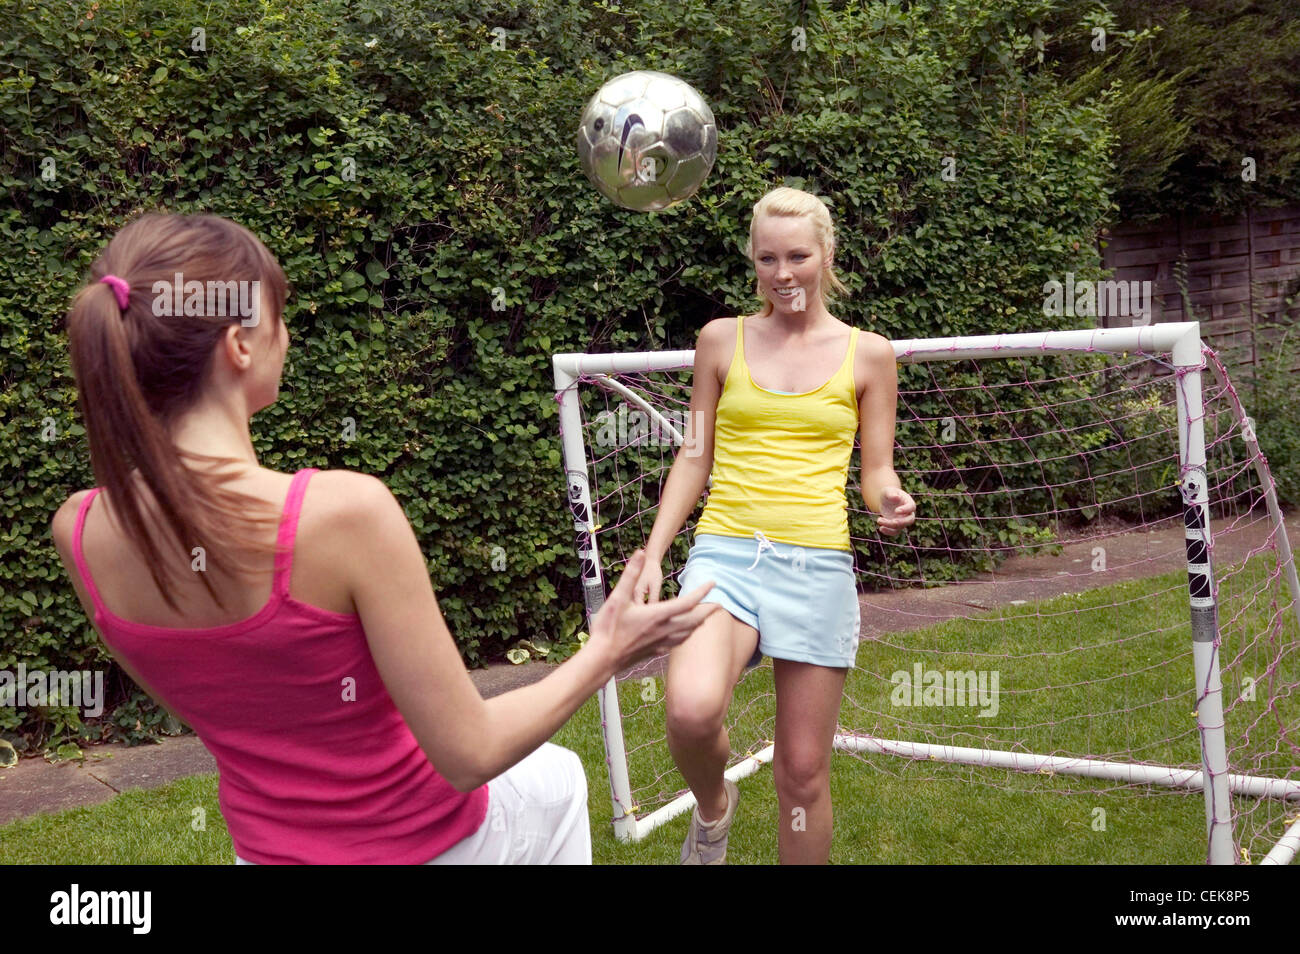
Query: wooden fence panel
[{"x": 1240, "y": 271}]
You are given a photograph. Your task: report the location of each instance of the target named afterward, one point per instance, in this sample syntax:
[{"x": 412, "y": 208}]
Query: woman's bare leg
[
  {"x": 807, "y": 710},
  {"x": 702, "y": 672}
]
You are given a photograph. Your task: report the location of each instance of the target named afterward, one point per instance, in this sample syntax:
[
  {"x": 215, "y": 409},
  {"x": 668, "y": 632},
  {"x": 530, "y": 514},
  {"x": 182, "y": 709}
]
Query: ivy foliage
[{"x": 414, "y": 171}]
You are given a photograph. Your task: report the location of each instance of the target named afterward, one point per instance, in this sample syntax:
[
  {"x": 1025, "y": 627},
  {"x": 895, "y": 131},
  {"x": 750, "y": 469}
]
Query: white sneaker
[{"x": 706, "y": 842}]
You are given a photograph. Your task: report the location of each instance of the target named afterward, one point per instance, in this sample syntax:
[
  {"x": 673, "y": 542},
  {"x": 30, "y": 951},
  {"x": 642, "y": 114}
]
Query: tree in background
[{"x": 1192, "y": 90}]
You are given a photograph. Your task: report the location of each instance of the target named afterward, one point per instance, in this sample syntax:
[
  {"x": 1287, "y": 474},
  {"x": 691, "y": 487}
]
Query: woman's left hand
[{"x": 897, "y": 511}]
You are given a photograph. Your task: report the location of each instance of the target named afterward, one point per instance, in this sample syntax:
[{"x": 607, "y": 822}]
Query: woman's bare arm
[
  {"x": 690, "y": 471},
  {"x": 470, "y": 740}
]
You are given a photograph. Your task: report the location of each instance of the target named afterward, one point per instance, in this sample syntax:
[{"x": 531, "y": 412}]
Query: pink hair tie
[{"x": 121, "y": 290}]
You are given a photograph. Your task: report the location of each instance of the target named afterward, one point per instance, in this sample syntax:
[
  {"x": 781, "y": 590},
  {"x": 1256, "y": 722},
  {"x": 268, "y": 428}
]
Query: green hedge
[{"x": 468, "y": 192}]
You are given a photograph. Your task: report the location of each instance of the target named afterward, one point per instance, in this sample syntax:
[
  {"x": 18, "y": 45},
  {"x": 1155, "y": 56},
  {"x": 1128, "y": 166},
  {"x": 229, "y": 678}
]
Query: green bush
[
  {"x": 1193, "y": 90},
  {"x": 1140, "y": 467},
  {"x": 432, "y": 287},
  {"x": 1269, "y": 395}
]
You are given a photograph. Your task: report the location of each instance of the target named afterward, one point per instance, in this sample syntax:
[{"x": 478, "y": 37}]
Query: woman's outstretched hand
[
  {"x": 897, "y": 511},
  {"x": 649, "y": 583},
  {"x": 635, "y": 630}
]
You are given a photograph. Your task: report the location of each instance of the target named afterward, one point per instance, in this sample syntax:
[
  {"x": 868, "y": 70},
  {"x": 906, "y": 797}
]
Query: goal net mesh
[{"x": 1039, "y": 604}]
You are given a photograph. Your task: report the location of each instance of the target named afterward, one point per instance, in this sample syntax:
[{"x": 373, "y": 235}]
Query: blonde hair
[{"x": 786, "y": 201}]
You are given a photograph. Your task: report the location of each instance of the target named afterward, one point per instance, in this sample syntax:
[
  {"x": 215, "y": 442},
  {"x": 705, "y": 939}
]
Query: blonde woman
[{"x": 776, "y": 402}]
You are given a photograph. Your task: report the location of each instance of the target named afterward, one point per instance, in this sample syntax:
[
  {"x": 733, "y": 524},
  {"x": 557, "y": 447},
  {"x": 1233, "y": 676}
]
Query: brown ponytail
[{"x": 138, "y": 371}]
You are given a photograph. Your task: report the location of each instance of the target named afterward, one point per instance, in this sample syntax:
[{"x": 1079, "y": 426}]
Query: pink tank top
[{"x": 316, "y": 764}]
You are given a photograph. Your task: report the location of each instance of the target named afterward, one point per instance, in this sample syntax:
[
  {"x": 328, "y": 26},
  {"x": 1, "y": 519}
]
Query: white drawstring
[{"x": 765, "y": 544}]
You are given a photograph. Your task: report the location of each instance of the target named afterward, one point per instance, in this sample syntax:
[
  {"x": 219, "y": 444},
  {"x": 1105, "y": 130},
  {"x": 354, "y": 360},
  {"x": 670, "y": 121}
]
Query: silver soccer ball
[{"x": 647, "y": 140}]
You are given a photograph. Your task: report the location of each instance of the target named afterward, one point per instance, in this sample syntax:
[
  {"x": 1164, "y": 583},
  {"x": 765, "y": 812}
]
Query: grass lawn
[{"x": 1118, "y": 664}]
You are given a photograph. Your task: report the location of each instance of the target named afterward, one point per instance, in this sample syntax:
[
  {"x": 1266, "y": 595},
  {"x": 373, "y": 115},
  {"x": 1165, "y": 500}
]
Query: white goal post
[{"x": 1181, "y": 343}]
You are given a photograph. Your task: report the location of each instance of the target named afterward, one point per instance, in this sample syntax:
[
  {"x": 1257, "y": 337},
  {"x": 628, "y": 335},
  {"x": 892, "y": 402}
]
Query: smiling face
[{"x": 789, "y": 263}]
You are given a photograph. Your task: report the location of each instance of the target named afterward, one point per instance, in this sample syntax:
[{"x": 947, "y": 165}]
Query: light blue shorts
[{"x": 802, "y": 600}]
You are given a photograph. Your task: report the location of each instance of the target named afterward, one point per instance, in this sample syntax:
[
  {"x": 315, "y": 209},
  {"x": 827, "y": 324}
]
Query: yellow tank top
[{"x": 781, "y": 461}]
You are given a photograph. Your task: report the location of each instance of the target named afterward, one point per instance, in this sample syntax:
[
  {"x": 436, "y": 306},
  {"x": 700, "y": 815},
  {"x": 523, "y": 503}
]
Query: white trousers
[{"x": 537, "y": 815}]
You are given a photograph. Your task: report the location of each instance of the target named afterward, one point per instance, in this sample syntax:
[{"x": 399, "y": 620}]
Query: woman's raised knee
[{"x": 694, "y": 716}]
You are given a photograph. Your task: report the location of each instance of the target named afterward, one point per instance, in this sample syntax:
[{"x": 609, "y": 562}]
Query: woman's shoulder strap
[
  {"x": 289, "y": 529},
  {"x": 78, "y": 554}
]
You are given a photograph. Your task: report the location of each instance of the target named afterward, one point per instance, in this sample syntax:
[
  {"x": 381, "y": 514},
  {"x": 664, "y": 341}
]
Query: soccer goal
[{"x": 1097, "y": 600}]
